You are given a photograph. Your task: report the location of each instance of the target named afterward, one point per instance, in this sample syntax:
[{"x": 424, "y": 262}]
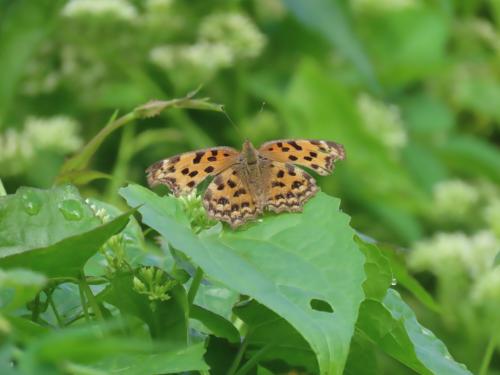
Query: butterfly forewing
[
  {"x": 182, "y": 173},
  {"x": 318, "y": 155},
  {"x": 229, "y": 199},
  {"x": 289, "y": 187}
]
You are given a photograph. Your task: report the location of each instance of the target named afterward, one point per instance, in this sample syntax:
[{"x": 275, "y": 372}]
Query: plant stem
[
  {"x": 252, "y": 362},
  {"x": 2, "y": 189},
  {"x": 237, "y": 359},
  {"x": 91, "y": 298},
  {"x": 488, "y": 354},
  {"x": 195, "y": 285},
  {"x": 83, "y": 302},
  {"x": 60, "y": 322},
  {"x": 125, "y": 153}
]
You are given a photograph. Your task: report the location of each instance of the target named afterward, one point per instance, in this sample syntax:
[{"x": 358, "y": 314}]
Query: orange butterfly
[{"x": 252, "y": 180}]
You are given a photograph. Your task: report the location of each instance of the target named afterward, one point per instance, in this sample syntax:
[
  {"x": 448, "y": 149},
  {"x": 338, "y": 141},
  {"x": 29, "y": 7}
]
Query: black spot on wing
[
  {"x": 295, "y": 145},
  {"x": 198, "y": 157}
]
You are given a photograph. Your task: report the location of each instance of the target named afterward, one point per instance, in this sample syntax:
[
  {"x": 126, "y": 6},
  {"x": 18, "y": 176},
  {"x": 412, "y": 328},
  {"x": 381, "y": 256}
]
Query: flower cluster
[
  {"x": 57, "y": 134},
  {"x": 224, "y": 39},
  {"x": 193, "y": 207},
  {"x": 383, "y": 121},
  {"x": 116, "y": 9},
  {"x": 235, "y": 31},
  {"x": 454, "y": 200},
  {"x": 382, "y": 5},
  {"x": 154, "y": 283},
  {"x": 447, "y": 252}
]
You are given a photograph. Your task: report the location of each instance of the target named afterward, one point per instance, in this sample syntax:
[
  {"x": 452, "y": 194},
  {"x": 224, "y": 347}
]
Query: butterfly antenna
[{"x": 231, "y": 121}]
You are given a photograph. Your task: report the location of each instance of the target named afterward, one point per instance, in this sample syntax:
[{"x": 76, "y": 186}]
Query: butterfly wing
[
  {"x": 315, "y": 154},
  {"x": 289, "y": 187},
  {"x": 182, "y": 173},
  {"x": 228, "y": 199}
]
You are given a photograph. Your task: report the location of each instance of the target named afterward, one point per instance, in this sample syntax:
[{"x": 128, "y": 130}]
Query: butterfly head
[{"x": 249, "y": 152}]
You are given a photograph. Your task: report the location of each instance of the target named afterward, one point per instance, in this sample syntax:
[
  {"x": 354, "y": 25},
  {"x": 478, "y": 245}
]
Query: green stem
[
  {"x": 252, "y": 362},
  {"x": 195, "y": 285},
  {"x": 84, "y": 303},
  {"x": 60, "y": 322},
  {"x": 2, "y": 189},
  {"x": 488, "y": 354},
  {"x": 125, "y": 153},
  {"x": 91, "y": 299},
  {"x": 237, "y": 359}
]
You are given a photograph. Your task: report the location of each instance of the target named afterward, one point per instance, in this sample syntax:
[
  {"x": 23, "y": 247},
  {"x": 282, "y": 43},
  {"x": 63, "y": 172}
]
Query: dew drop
[
  {"x": 394, "y": 282},
  {"x": 31, "y": 202},
  {"x": 71, "y": 209}
]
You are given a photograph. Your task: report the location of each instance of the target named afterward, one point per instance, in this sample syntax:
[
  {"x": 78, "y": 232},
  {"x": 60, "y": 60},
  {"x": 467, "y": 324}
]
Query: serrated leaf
[
  {"x": 378, "y": 271},
  {"x": 284, "y": 263}
]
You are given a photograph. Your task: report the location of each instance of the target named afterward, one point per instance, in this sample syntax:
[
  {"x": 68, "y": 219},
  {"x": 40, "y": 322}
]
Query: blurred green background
[{"x": 410, "y": 87}]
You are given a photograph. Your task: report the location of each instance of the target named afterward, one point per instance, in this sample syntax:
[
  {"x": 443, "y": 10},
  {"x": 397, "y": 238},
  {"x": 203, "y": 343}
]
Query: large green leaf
[
  {"x": 99, "y": 348},
  {"x": 287, "y": 263},
  {"x": 51, "y": 231},
  {"x": 18, "y": 287},
  {"x": 174, "y": 360},
  {"x": 392, "y": 325},
  {"x": 275, "y": 338},
  {"x": 331, "y": 21},
  {"x": 165, "y": 319}
]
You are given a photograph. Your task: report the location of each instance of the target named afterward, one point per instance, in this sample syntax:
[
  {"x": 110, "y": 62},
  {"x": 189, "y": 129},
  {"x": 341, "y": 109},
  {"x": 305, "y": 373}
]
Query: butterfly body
[{"x": 248, "y": 182}]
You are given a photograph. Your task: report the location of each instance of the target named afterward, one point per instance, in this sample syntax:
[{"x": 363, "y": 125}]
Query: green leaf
[
  {"x": 378, "y": 271},
  {"x": 406, "y": 280},
  {"x": 472, "y": 156},
  {"x": 17, "y": 287},
  {"x": 165, "y": 319},
  {"x": 99, "y": 348},
  {"x": 392, "y": 325},
  {"x": 175, "y": 360},
  {"x": 217, "y": 325},
  {"x": 53, "y": 231},
  {"x": 409, "y": 44},
  {"x": 284, "y": 263},
  {"x": 329, "y": 19},
  {"x": 362, "y": 358},
  {"x": 24, "y": 25},
  {"x": 266, "y": 329}
]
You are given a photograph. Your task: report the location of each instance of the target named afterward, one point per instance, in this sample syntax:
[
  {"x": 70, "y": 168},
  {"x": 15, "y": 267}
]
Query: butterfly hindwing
[
  {"x": 289, "y": 187},
  {"x": 182, "y": 173},
  {"x": 228, "y": 199},
  {"x": 318, "y": 155}
]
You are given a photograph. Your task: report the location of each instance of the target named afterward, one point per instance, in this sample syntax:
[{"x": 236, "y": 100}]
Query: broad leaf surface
[
  {"x": 17, "y": 287},
  {"x": 165, "y": 319},
  {"x": 280, "y": 340},
  {"x": 53, "y": 232},
  {"x": 283, "y": 263},
  {"x": 392, "y": 325}
]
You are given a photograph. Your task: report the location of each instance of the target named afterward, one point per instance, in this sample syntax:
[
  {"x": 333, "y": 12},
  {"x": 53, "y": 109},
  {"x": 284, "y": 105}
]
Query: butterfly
[{"x": 248, "y": 182}]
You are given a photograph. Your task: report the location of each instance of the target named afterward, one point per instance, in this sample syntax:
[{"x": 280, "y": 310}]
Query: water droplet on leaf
[
  {"x": 31, "y": 202},
  {"x": 71, "y": 209}
]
